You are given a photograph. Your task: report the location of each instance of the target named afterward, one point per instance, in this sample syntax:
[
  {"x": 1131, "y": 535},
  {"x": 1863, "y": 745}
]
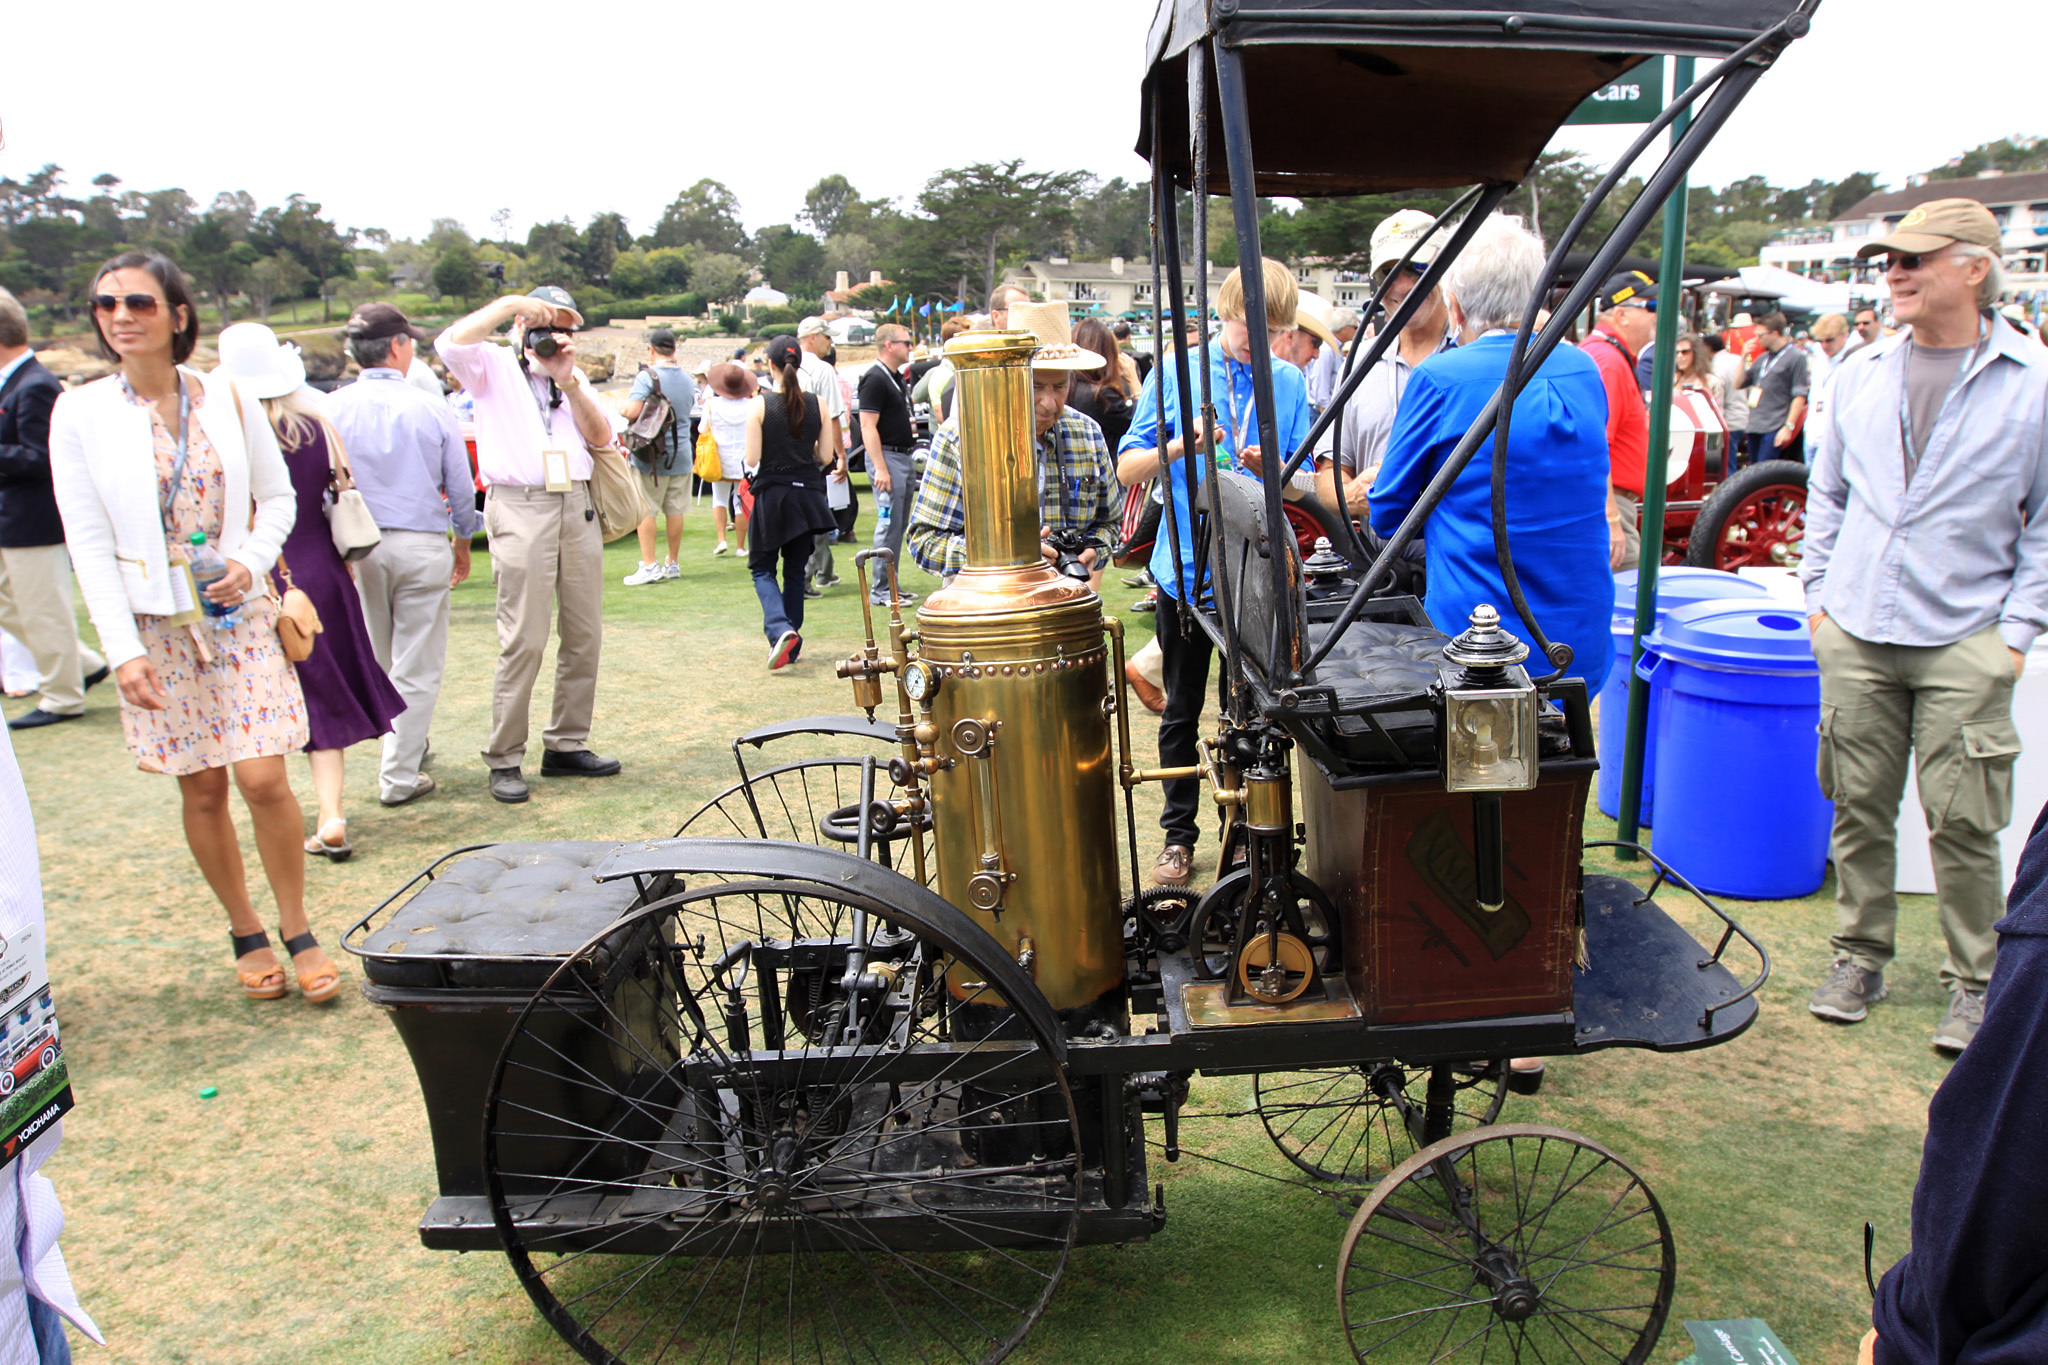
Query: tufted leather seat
[{"x": 534, "y": 901}]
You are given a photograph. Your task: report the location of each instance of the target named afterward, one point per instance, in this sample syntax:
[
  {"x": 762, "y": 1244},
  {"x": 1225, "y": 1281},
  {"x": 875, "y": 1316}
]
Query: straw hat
[
  {"x": 1313, "y": 313},
  {"x": 1055, "y": 333},
  {"x": 260, "y": 364}
]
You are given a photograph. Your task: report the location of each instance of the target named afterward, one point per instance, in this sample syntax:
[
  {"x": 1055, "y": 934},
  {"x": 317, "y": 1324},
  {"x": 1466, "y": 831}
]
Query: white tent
[
  {"x": 762, "y": 294},
  {"x": 1796, "y": 291}
]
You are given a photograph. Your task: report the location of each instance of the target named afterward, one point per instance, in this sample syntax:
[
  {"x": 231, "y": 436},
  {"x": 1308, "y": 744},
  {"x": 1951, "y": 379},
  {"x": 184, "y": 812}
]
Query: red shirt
[{"x": 1628, "y": 417}]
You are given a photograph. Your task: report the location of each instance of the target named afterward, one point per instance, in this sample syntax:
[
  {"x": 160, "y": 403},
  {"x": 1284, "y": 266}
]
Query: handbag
[
  {"x": 298, "y": 620},
  {"x": 643, "y": 435},
  {"x": 348, "y": 516},
  {"x": 615, "y": 493},
  {"x": 709, "y": 466},
  {"x": 1138, "y": 527}
]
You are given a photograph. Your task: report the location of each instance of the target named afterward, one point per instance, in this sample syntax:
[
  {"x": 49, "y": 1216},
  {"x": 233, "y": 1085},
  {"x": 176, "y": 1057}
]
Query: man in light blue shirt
[
  {"x": 1184, "y": 662},
  {"x": 1926, "y": 572},
  {"x": 407, "y": 455}
]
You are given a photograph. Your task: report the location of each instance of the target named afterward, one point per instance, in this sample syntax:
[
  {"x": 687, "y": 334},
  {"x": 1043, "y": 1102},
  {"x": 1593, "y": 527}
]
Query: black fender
[
  {"x": 882, "y": 732},
  {"x": 930, "y": 915}
]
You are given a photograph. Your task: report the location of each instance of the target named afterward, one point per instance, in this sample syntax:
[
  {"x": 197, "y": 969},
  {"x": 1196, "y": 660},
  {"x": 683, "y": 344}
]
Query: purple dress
[{"x": 348, "y": 696}]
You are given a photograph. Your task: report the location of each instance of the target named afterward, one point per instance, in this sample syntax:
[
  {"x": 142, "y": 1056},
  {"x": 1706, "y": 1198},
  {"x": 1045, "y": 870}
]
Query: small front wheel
[{"x": 1514, "y": 1243}]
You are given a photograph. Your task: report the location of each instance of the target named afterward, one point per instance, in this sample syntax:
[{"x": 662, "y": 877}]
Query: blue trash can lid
[
  {"x": 1678, "y": 587},
  {"x": 1764, "y": 637}
]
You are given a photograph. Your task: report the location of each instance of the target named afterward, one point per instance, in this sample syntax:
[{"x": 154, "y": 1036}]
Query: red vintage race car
[
  {"x": 39, "y": 1053},
  {"x": 1755, "y": 517}
]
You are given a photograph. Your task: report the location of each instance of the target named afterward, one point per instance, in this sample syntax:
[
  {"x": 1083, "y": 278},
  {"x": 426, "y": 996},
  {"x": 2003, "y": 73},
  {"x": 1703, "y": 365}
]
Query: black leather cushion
[
  {"x": 1380, "y": 659},
  {"x": 536, "y": 901}
]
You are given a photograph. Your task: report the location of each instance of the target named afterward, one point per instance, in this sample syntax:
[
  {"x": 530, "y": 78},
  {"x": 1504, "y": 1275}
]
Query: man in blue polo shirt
[
  {"x": 1185, "y": 661},
  {"x": 1557, "y": 464}
]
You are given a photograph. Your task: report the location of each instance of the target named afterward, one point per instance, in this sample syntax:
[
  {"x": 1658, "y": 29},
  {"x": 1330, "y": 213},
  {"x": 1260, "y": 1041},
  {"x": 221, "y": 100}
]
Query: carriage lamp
[
  {"x": 1489, "y": 739},
  {"x": 1489, "y": 710}
]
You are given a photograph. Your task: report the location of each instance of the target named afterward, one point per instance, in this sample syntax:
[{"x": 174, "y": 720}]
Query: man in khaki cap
[{"x": 1926, "y": 572}]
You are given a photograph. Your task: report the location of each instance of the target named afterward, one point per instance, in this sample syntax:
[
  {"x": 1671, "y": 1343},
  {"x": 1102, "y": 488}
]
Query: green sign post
[{"x": 1636, "y": 96}]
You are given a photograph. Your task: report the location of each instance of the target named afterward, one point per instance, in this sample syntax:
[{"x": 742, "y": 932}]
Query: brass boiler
[{"x": 1023, "y": 793}]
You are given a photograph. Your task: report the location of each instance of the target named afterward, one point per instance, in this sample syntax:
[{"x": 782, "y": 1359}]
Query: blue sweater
[
  {"x": 1556, "y": 496},
  {"x": 1974, "y": 1288}
]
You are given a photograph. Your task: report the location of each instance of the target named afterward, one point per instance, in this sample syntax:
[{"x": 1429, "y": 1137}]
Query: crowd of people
[{"x": 269, "y": 569}]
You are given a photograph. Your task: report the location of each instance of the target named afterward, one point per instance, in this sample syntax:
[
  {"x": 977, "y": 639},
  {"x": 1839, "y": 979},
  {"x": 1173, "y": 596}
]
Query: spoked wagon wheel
[
  {"x": 816, "y": 801},
  {"x": 726, "y": 1130},
  {"x": 1515, "y": 1243},
  {"x": 1352, "y": 1124},
  {"x": 1756, "y": 518}
]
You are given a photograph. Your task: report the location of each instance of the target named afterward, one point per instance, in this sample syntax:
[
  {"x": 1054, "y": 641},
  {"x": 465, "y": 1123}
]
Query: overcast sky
[{"x": 393, "y": 115}]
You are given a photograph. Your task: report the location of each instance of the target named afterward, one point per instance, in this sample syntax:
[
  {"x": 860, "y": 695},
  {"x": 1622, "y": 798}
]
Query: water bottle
[
  {"x": 882, "y": 517},
  {"x": 209, "y": 567}
]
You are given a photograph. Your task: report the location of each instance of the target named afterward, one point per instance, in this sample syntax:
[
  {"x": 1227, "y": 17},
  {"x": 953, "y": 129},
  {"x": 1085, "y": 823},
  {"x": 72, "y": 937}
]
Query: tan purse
[{"x": 298, "y": 621}]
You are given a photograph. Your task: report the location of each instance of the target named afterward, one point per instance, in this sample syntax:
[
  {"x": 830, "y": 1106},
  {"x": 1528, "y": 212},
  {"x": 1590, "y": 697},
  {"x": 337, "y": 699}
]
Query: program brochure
[{"x": 35, "y": 1083}]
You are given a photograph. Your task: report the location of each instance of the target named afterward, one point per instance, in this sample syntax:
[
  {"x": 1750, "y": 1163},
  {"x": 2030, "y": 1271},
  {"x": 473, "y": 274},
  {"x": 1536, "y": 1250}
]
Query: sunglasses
[
  {"x": 1911, "y": 260},
  {"x": 142, "y": 305}
]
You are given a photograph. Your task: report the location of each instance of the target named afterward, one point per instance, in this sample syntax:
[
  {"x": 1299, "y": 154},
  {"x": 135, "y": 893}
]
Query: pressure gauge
[{"x": 920, "y": 681}]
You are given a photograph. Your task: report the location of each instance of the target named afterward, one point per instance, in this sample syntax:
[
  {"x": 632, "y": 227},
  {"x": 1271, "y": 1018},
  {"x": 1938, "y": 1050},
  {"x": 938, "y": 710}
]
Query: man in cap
[
  {"x": 1926, "y": 572},
  {"x": 820, "y": 380},
  {"x": 1779, "y": 375},
  {"x": 664, "y": 469},
  {"x": 536, "y": 424},
  {"x": 1625, "y": 324},
  {"x": 407, "y": 456},
  {"x": 1077, "y": 482},
  {"x": 1369, "y": 413},
  {"x": 35, "y": 569}
]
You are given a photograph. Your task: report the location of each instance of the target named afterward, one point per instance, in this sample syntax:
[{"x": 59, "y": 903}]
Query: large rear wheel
[{"x": 780, "y": 1119}]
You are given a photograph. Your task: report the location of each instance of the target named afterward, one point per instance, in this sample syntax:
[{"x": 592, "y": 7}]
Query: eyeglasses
[{"x": 142, "y": 305}]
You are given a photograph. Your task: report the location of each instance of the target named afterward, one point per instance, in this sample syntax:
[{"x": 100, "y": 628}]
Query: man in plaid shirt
[{"x": 1076, "y": 480}]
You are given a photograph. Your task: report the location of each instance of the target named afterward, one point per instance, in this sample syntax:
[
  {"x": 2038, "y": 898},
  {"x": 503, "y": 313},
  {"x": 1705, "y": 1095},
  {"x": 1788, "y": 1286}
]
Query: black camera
[
  {"x": 545, "y": 344},
  {"x": 1067, "y": 549}
]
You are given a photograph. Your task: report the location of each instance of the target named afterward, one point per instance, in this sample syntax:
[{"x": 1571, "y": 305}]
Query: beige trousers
[
  {"x": 1951, "y": 705},
  {"x": 548, "y": 558},
  {"x": 1631, "y": 528},
  {"x": 404, "y": 586},
  {"x": 35, "y": 608}
]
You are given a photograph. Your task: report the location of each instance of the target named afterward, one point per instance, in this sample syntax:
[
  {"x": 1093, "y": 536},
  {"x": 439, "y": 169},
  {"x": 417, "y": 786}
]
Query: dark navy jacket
[
  {"x": 28, "y": 504},
  {"x": 1974, "y": 1288}
]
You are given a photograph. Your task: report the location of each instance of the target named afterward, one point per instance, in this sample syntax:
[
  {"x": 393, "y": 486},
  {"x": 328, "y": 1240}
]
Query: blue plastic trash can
[
  {"x": 1676, "y": 587},
  {"x": 1739, "y": 809}
]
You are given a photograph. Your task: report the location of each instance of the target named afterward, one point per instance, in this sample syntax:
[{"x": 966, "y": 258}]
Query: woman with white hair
[{"x": 1557, "y": 466}]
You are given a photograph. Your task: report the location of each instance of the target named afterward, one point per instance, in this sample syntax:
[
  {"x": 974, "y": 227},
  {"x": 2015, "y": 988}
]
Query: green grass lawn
[{"x": 275, "y": 1223}]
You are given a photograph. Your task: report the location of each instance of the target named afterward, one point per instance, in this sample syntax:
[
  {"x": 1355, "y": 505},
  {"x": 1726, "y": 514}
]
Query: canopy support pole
[{"x": 1670, "y": 284}]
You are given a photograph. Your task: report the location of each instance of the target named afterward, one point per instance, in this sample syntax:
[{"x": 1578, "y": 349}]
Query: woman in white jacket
[{"x": 142, "y": 461}]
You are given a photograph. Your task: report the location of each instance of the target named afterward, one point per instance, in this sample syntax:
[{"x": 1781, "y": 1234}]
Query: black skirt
[{"x": 785, "y": 508}]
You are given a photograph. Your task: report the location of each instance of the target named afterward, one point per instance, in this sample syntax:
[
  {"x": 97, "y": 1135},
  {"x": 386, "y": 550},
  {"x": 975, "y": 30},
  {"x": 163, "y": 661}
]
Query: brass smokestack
[
  {"x": 1024, "y": 811},
  {"x": 997, "y": 467}
]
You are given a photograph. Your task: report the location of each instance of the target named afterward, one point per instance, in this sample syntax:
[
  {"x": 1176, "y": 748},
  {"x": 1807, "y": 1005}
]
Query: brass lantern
[{"x": 1489, "y": 709}]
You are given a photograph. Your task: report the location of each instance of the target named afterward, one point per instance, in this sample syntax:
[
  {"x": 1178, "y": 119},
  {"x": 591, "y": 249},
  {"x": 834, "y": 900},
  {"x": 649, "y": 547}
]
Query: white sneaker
[
  {"x": 646, "y": 573},
  {"x": 721, "y": 548},
  {"x": 671, "y": 570}
]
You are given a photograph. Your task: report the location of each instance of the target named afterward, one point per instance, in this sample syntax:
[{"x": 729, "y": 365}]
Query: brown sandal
[
  {"x": 265, "y": 983},
  {"x": 324, "y": 980}
]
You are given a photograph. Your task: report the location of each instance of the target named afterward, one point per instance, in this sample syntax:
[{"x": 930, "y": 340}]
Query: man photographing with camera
[{"x": 536, "y": 424}]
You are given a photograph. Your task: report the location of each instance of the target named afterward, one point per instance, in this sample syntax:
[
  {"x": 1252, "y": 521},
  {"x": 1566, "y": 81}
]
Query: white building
[
  {"x": 2018, "y": 202},
  {"x": 1115, "y": 286}
]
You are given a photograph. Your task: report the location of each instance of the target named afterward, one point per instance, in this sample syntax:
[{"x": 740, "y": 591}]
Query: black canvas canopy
[{"x": 1345, "y": 98}]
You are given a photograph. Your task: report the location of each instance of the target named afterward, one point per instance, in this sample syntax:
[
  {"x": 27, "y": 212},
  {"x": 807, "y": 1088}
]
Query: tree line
[{"x": 952, "y": 240}]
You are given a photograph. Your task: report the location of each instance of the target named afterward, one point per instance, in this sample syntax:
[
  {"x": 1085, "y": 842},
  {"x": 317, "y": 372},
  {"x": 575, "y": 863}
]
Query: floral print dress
[{"x": 243, "y": 702}]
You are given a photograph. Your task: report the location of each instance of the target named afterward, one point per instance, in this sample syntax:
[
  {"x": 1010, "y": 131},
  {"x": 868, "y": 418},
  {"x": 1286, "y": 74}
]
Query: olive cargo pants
[{"x": 1952, "y": 706}]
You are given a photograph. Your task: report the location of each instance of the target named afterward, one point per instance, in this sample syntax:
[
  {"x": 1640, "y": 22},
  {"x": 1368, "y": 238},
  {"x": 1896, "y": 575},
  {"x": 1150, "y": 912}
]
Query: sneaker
[
  {"x": 906, "y": 598},
  {"x": 1959, "y": 1025},
  {"x": 671, "y": 570},
  {"x": 422, "y": 784},
  {"x": 1172, "y": 866},
  {"x": 1848, "y": 993},
  {"x": 1149, "y": 602},
  {"x": 811, "y": 590},
  {"x": 721, "y": 548},
  {"x": 834, "y": 581},
  {"x": 785, "y": 650},
  {"x": 1140, "y": 579},
  {"x": 646, "y": 573}
]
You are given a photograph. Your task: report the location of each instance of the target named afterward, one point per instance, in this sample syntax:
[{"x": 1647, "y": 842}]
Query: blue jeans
[
  {"x": 52, "y": 1346},
  {"x": 782, "y": 608}
]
